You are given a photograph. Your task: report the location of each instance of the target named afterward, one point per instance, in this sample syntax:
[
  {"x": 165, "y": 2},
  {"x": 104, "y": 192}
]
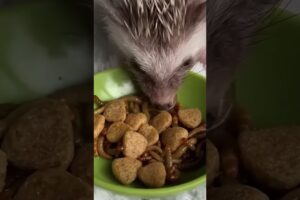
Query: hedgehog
[{"x": 158, "y": 40}]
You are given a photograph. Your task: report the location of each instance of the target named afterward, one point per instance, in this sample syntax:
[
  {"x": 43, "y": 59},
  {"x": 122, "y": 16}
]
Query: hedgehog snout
[
  {"x": 167, "y": 106},
  {"x": 162, "y": 98}
]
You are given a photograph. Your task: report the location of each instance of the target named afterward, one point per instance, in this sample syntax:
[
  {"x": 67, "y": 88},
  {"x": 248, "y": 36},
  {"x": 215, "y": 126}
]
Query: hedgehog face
[{"x": 161, "y": 39}]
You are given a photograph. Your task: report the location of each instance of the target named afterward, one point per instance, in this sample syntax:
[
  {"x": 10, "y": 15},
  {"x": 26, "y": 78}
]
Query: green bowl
[{"x": 114, "y": 83}]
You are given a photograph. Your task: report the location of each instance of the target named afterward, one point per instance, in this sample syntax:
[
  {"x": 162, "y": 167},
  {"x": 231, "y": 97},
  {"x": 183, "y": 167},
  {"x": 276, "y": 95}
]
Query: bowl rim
[{"x": 152, "y": 192}]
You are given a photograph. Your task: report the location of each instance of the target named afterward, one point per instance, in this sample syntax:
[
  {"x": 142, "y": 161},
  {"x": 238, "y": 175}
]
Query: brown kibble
[
  {"x": 3, "y": 165},
  {"x": 135, "y": 120},
  {"x": 212, "y": 162},
  {"x": 153, "y": 174},
  {"x": 134, "y": 144},
  {"x": 174, "y": 136},
  {"x": 42, "y": 137},
  {"x": 49, "y": 183},
  {"x": 125, "y": 169},
  {"x": 161, "y": 121},
  {"x": 190, "y": 118},
  {"x": 150, "y": 133},
  {"x": 82, "y": 164},
  {"x": 99, "y": 121},
  {"x": 236, "y": 192},
  {"x": 271, "y": 156},
  {"x": 115, "y": 111},
  {"x": 116, "y": 131},
  {"x": 131, "y": 138}
]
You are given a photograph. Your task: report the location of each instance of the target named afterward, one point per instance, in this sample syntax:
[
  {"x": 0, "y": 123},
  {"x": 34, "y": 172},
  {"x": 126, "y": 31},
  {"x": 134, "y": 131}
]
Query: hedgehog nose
[{"x": 167, "y": 106}]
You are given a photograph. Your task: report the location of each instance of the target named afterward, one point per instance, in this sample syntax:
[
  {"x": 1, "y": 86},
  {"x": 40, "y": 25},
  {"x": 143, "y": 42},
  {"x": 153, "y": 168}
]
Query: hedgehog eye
[
  {"x": 140, "y": 72},
  {"x": 186, "y": 65},
  {"x": 187, "y": 62}
]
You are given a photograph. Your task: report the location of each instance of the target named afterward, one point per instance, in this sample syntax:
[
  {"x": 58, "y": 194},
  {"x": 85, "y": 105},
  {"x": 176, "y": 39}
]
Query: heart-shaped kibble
[
  {"x": 134, "y": 144},
  {"x": 174, "y": 136},
  {"x": 135, "y": 120},
  {"x": 161, "y": 121},
  {"x": 150, "y": 133},
  {"x": 190, "y": 118},
  {"x": 116, "y": 131},
  {"x": 125, "y": 169},
  {"x": 115, "y": 111},
  {"x": 153, "y": 174}
]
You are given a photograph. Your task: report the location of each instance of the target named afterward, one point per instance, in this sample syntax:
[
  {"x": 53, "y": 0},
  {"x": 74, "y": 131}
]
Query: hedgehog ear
[
  {"x": 196, "y": 11},
  {"x": 108, "y": 8}
]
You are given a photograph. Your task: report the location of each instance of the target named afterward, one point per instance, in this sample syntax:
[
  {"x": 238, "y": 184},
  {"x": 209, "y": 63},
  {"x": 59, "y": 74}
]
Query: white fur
[
  {"x": 160, "y": 64},
  {"x": 163, "y": 64},
  {"x": 193, "y": 45}
]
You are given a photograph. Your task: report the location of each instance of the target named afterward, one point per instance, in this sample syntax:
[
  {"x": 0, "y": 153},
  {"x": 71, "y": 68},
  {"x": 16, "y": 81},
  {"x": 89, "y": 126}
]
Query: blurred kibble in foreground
[
  {"x": 46, "y": 100},
  {"x": 264, "y": 127}
]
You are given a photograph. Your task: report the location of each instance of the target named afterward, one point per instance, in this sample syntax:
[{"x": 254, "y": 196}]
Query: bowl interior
[{"x": 114, "y": 83}]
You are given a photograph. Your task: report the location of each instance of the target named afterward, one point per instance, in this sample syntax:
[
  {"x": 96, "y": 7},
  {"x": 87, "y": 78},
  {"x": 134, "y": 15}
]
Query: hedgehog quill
[{"x": 160, "y": 41}]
